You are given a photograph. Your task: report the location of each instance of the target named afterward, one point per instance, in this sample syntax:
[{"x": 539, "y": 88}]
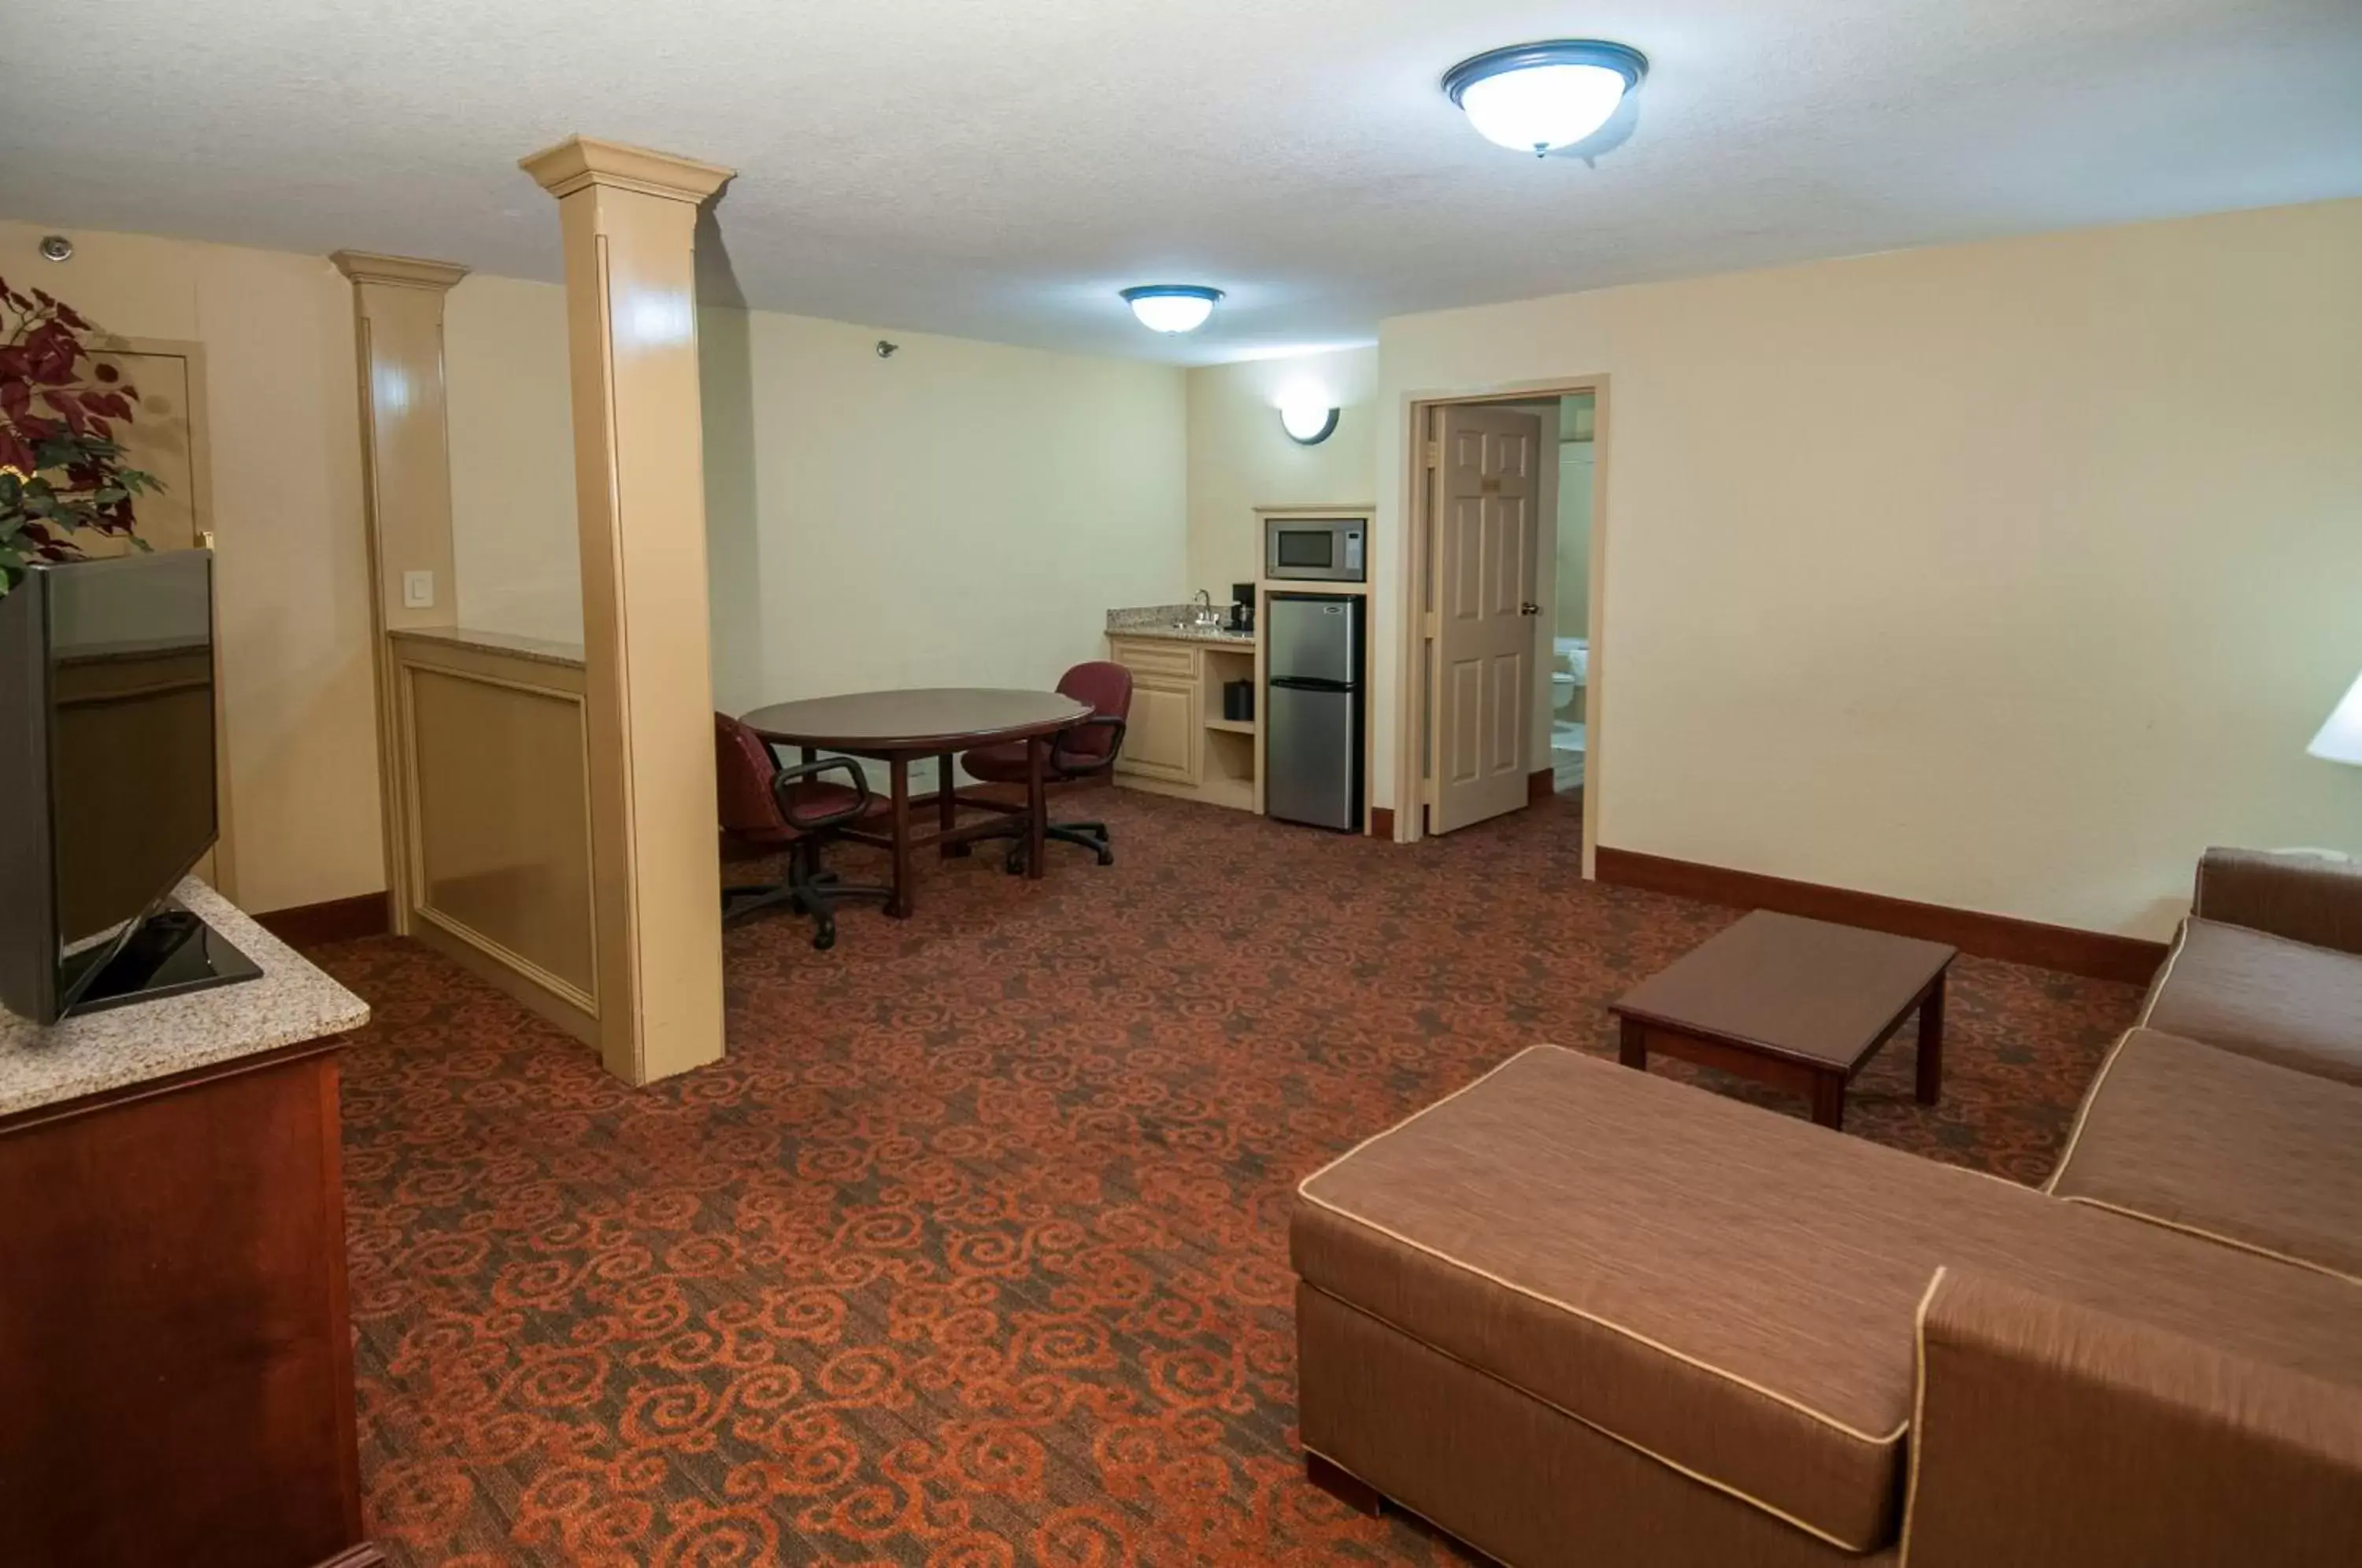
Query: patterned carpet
[{"x": 972, "y": 1252}]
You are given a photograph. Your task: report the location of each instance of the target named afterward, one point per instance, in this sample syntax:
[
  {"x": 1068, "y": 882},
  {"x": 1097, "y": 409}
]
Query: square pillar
[
  {"x": 628, "y": 218},
  {"x": 405, "y": 493}
]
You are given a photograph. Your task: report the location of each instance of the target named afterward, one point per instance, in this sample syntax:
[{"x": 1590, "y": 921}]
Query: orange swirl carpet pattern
[{"x": 972, "y": 1250}]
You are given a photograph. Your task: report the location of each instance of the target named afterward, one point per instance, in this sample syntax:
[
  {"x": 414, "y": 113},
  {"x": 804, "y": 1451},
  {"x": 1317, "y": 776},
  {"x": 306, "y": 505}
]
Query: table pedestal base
[{"x": 951, "y": 840}]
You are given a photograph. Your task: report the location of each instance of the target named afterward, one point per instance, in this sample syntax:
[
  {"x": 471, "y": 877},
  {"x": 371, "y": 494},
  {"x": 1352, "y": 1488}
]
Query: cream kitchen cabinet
[
  {"x": 1161, "y": 741},
  {"x": 1178, "y": 743}
]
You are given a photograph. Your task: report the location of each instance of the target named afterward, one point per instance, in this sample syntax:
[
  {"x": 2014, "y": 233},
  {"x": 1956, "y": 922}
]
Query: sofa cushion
[
  {"x": 1733, "y": 1291},
  {"x": 2225, "y": 1146},
  {"x": 2053, "y": 1435},
  {"x": 2263, "y": 997},
  {"x": 2294, "y": 893}
]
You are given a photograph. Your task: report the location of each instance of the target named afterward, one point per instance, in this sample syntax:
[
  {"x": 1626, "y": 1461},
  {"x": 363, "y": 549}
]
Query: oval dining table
[{"x": 899, "y": 727}]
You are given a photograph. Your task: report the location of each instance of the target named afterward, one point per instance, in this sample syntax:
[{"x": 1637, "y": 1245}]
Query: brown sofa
[{"x": 1575, "y": 1314}]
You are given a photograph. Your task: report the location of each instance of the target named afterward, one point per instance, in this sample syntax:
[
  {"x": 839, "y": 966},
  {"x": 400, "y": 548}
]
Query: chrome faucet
[{"x": 1207, "y": 614}]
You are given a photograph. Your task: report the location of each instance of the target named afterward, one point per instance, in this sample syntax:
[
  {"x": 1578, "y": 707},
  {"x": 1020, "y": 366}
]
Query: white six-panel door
[{"x": 1488, "y": 487}]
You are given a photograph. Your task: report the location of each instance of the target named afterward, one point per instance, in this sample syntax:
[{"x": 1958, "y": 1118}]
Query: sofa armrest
[
  {"x": 2301, "y": 897},
  {"x": 2050, "y": 1435}
]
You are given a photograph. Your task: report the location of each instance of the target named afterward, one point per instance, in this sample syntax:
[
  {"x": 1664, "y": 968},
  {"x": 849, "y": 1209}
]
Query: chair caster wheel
[
  {"x": 1107, "y": 857},
  {"x": 1015, "y": 864},
  {"x": 826, "y": 939}
]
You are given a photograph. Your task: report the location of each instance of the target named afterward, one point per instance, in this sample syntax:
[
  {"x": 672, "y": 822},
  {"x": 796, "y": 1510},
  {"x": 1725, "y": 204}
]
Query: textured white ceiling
[{"x": 998, "y": 168}]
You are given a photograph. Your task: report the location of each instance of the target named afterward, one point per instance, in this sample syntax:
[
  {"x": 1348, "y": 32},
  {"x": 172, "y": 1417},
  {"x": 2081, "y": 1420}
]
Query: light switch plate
[{"x": 418, "y": 591}]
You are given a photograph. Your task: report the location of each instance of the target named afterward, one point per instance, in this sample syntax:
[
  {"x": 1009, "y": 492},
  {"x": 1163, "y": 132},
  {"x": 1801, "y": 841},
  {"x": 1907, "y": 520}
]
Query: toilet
[{"x": 1570, "y": 673}]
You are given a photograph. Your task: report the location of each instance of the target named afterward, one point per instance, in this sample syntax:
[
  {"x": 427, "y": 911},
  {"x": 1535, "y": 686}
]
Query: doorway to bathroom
[
  {"x": 1570, "y": 665},
  {"x": 1499, "y": 690}
]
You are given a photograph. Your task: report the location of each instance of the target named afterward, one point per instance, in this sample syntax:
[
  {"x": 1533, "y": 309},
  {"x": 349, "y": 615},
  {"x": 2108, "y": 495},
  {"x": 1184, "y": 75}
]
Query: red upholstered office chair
[
  {"x": 766, "y": 807},
  {"x": 1084, "y": 753}
]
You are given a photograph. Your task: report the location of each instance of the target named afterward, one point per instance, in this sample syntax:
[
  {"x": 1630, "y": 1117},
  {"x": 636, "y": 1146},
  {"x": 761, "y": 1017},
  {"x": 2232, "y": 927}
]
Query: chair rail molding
[{"x": 627, "y": 218}]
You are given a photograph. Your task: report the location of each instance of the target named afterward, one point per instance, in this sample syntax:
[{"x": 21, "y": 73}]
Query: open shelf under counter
[
  {"x": 1237, "y": 794},
  {"x": 1226, "y": 769},
  {"x": 1223, "y": 664}
]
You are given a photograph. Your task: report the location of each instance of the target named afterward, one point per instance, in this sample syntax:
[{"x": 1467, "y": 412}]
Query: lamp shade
[{"x": 2340, "y": 739}]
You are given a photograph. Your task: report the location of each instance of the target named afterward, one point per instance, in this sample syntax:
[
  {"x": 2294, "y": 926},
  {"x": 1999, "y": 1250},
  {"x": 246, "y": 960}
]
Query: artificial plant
[{"x": 62, "y": 470}]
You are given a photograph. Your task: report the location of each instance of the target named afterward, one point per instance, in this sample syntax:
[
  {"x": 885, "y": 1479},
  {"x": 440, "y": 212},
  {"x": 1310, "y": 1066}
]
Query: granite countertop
[
  {"x": 117, "y": 1046},
  {"x": 1157, "y": 620},
  {"x": 537, "y": 648}
]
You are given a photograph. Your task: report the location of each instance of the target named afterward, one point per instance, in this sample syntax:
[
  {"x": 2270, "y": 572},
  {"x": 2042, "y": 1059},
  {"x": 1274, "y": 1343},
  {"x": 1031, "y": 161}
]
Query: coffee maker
[{"x": 1242, "y": 607}]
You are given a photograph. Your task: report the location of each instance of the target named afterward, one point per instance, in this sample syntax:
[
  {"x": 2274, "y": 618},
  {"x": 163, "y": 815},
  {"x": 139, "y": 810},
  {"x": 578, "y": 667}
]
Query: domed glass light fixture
[
  {"x": 1172, "y": 307},
  {"x": 1308, "y": 422},
  {"x": 1533, "y": 98}
]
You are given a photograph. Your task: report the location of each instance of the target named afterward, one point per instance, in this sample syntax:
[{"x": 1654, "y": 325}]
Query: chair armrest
[
  {"x": 2301, "y": 897},
  {"x": 783, "y": 785},
  {"x": 1064, "y": 768},
  {"x": 2050, "y": 1435}
]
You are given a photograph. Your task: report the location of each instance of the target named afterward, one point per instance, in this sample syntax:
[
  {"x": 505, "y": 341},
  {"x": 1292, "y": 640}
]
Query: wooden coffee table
[{"x": 1793, "y": 1004}]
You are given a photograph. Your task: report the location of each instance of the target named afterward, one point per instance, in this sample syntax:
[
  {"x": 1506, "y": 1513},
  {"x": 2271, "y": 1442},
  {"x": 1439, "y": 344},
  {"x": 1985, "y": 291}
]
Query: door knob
[{"x": 1530, "y": 608}]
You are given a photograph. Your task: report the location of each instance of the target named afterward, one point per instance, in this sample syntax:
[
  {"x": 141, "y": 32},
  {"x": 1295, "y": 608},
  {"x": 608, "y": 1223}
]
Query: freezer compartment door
[
  {"x": 1315, "y": 638},
  {"x": 1314, "y": 755}
]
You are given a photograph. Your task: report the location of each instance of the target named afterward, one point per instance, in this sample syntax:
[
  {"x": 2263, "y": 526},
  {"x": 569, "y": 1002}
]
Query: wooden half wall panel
[{"x": 494, "y": 754}]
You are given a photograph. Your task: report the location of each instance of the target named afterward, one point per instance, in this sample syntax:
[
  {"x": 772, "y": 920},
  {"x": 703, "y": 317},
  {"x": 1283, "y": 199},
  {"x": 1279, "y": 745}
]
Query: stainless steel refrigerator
[{"x": 1313, "y": 648}]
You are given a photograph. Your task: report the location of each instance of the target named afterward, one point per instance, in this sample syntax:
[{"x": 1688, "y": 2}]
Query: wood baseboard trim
[
  {"x": 1382, "y": 822},
  {"x": 1540, "y": 785},
  {"x": 2100, "y": 956},
  {"x": 337, "y": 919}
]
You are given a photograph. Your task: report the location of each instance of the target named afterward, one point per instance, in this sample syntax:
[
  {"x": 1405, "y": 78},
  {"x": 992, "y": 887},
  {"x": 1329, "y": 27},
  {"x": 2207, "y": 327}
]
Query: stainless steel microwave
[{"x": 1315, "y": 550}]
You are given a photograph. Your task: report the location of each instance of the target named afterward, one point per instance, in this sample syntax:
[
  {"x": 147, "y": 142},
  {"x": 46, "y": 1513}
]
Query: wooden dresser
[{"x": 175, "y": 1361}]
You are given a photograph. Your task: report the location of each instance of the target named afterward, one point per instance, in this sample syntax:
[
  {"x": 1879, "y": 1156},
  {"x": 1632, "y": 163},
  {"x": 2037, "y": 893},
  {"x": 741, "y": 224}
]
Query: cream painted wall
[
  {"x": 292, "y": 577},
  {"x": 961, "y": 514},
  {"x": 1239, "y": 459},
  {"x": 512, "y": 523},
  {"x": 2035, "y": 587}
]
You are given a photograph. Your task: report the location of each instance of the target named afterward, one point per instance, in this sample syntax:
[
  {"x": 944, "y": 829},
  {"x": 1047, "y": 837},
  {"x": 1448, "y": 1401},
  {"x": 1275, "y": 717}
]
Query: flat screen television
[{"x": 108, "y": 796}]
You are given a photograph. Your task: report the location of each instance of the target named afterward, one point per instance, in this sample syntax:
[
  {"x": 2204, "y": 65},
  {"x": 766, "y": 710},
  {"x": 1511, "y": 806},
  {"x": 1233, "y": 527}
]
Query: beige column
[
  {"x": 406, "y": 488},
  {"x": 628, "y": 218}
]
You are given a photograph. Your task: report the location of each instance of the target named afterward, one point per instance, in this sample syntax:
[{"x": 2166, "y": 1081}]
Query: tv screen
[{"x": 107, "y": 667}]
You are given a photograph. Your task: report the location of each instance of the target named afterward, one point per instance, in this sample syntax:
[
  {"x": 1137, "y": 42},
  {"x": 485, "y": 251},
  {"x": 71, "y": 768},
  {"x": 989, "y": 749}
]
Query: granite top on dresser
[
  {"x": 1174, "y": 623},
  {"x": 117, "y": 1046}
]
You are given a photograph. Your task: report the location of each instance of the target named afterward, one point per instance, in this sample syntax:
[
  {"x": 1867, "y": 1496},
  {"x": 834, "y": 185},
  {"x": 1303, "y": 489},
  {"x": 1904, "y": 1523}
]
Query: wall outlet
[{"x": 418, "y": 591}]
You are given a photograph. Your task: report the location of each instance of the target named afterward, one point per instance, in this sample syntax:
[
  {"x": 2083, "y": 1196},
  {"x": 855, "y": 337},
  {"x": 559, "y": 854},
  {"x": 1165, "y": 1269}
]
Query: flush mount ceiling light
[
  {"x": 1533, "y": 98},
  {"x": 1307, "y": 423},
  {"x": 1172, "y": 307}
]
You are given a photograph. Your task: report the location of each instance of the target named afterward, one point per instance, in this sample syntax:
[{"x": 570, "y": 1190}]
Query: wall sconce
[{"x": 1307, "y": 423}]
